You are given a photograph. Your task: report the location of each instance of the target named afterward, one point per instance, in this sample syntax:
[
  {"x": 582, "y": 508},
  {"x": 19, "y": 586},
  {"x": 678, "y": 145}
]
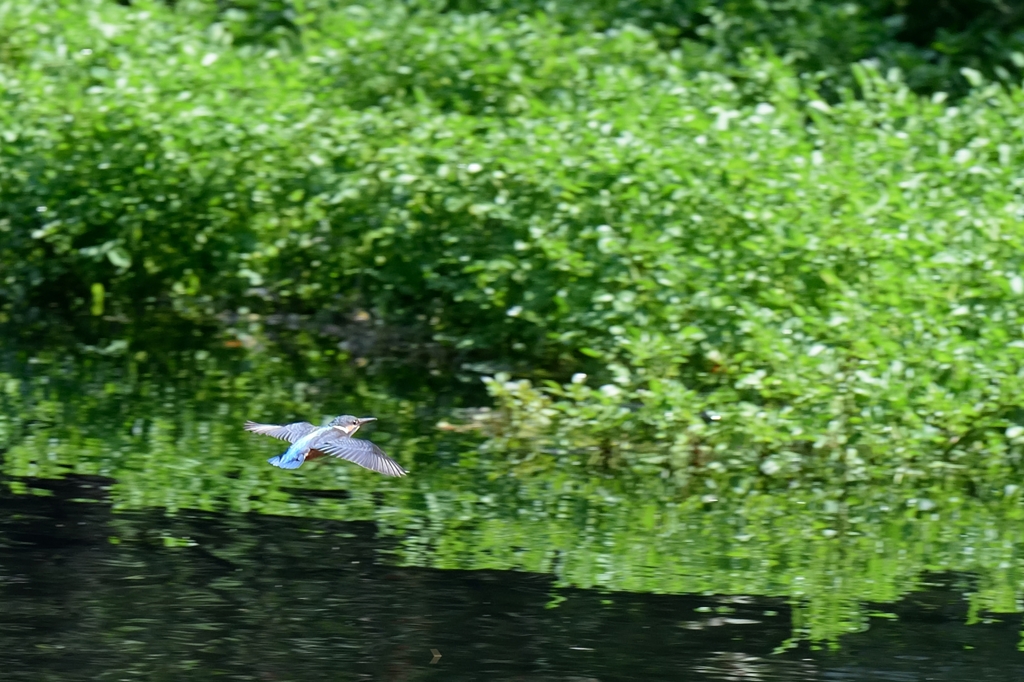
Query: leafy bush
[
  {"x": 840, "y": 280},
  {"x": 930, "y": 42}
]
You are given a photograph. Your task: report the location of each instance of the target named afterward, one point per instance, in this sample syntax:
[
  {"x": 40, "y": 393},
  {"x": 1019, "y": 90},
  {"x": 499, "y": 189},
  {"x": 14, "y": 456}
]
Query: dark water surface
[
  {"x": 143, "y": 536},
  {"x": 92, "y": 594}
]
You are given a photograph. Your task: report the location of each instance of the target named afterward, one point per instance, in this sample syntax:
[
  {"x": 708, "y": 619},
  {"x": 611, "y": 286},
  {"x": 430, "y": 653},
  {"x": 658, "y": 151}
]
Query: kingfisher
[{"x": 310, "y": 442}]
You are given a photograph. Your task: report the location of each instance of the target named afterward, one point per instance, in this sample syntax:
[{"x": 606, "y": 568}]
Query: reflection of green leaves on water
[{"x": 829, "y": 546}]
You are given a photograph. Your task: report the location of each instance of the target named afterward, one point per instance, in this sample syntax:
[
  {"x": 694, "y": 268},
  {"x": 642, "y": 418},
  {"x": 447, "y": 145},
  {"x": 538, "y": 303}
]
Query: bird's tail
[{"x": 287, "y": 461}]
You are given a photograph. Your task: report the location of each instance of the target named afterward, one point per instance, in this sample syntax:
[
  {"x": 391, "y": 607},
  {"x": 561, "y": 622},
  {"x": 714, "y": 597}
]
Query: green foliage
[
  {"x": 839, "y": 280},
  {"x": 678, "y": 213},
  {"x": 931, "y": 42}
]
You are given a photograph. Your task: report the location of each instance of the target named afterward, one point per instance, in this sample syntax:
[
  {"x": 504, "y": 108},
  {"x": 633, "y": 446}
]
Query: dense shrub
[
  {"x": 930, "y": 41},
  {"x": 837, "y": 279}
]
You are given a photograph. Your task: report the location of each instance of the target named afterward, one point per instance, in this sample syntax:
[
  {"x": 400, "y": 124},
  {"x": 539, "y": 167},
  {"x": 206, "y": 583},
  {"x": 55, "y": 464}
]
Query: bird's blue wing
[
  {"x": 288, "y": 432},
  {"x": 361, "y": 452}
]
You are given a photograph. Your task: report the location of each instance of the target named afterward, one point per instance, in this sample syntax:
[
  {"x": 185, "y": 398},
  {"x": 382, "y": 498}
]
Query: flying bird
[{"x": 312, "y": 442}]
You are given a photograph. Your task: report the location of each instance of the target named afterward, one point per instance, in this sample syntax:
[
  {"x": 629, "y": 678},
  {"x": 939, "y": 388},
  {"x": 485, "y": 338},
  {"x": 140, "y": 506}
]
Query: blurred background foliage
[{"x": 929, "y": 41}]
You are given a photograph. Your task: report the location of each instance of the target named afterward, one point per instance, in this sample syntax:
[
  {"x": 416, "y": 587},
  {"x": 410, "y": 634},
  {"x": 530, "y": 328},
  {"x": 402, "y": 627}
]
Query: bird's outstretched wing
[
  {"x": 362, "y": 452},
  {"x": 288, "y": 432}
]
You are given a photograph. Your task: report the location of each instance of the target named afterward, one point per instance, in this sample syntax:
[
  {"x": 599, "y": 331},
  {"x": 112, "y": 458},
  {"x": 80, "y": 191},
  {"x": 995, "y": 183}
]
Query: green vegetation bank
[{"x": 699, "y": 206}]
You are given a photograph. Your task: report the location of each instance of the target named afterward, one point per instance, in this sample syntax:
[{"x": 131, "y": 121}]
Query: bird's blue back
[{"x": 294, "y": 456}]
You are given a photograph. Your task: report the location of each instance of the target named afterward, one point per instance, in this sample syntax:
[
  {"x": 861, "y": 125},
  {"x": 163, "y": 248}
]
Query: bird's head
[{"x": 348, "y": 424}]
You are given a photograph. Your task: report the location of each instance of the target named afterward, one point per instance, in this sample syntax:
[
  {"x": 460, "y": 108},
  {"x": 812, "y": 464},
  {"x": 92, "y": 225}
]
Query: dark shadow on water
[{"x": 90, "y": 594}]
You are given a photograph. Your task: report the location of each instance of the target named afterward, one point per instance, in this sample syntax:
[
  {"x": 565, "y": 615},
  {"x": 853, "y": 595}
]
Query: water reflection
[
  {"x": 152, "y": 431},
  {"x": 91, "y": 594}
]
